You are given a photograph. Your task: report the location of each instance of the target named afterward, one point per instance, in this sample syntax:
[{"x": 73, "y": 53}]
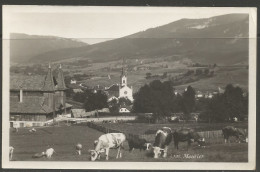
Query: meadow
[{"x": 63, "y": 139}]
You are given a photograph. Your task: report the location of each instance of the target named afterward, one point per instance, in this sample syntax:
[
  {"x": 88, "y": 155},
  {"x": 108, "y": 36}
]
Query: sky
[{"x": 97, "y": 24}]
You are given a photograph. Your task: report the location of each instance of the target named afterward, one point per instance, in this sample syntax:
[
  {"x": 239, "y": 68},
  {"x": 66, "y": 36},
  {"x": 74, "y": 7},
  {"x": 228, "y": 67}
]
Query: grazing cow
[
  {"x": 138, "y": 143},
  {"x": 78, "y": 148},
  {"x": 236, "y": 132},
  {"x": 163, "y": 138},
  {"x": 11, "y": 151},
  {"x": 107, "y": 141},
  {"x": 49, "y": 152},
  {"x": 188, "y": 135}
]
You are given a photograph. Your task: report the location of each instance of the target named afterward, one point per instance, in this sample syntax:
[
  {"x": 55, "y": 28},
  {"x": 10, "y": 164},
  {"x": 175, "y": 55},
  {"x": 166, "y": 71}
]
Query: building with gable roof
[{"x": 36, "y": 99}]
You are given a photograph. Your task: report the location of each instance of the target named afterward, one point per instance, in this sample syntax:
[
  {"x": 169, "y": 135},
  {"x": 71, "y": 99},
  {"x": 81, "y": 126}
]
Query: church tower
[
  {"x": 123, "y": 77},
  {"x": 124, "y": 90}
]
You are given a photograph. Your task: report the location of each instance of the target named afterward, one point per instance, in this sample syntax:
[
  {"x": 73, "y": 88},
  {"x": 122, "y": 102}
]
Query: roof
[
  {"x": 60, "y": 80},
  {"x": 30, "y": 104},
  {"x": 24, "y": 82},
  {"x": 38, "y": 82},
  {"x": 113, "y": 87}
]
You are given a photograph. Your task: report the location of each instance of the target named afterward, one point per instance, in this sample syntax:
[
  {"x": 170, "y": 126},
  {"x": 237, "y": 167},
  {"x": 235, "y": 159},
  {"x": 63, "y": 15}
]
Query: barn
[{"x": 36, "y": 99}]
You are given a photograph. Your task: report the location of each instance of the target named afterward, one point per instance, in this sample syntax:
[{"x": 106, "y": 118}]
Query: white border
[{"x": 133, "y": 165}]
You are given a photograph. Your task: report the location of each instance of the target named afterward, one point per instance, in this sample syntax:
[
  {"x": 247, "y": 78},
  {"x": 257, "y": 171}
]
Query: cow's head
[
  {"x": 93, "y": 155},
  {"x": 147, "y": 146},
  {"x": 157, "y": 152},
  {"x": 201, "y": 142}
]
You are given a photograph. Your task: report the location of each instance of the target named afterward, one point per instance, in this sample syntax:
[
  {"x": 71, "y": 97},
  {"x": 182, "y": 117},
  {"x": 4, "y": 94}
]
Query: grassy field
[{"x": 63, "y": 139}]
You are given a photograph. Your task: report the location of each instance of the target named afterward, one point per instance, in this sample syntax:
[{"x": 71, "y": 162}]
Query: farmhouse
[{"x": 36, "y": 99}]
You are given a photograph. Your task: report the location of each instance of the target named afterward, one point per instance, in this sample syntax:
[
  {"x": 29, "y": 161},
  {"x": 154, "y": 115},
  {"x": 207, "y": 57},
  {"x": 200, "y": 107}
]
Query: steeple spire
[{"x": 48, "y": 84}]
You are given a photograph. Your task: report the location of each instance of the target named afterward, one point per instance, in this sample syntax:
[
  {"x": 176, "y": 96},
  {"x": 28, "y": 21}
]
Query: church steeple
[{"x": 123, "y": 75}]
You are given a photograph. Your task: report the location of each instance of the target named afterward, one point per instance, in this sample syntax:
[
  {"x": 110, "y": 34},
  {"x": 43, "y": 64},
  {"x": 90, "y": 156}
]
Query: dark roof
[
  {"x": 60, "y": 80},
  {"x": 38, "y": 82},
  {"x": 30, "y": 104},
  {"x": 112, "y": 94},
  {"x": 48, "y": 84},
  {"x": 18, "y": 82}
]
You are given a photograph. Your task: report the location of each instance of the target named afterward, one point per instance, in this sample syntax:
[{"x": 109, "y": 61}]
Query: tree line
[{"x": 159, "y": 98}]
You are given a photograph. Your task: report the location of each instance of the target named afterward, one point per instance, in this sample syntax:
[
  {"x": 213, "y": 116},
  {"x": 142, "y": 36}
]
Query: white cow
[
  {"x": 49, "y": 152},
  {"x": 107, "y": 141},
  {"x": 11, "y": 150}
]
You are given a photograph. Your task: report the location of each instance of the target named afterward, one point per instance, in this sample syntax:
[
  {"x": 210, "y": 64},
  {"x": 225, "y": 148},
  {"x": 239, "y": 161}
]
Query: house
[{"x": 36, "y": 99}]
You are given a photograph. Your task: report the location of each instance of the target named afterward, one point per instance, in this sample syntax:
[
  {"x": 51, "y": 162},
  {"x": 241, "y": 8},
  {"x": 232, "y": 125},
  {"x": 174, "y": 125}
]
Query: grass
[{"x": 64, "y": 138}]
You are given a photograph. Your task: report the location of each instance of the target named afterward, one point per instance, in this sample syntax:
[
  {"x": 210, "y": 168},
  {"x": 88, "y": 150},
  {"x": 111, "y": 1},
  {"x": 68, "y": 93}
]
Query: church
[
  {"x": 121, "y": 90},
  {"x": 37, "y": 99},
  {"x": 124, "y": 90}
]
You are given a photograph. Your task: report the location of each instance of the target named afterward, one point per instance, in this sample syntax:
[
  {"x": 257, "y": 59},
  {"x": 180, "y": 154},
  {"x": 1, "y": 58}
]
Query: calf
[
  {"x": 188, "y": 135},
  {"x": 11, "y": 151},
  {"x": 49, "y": 152},
  {"x": 163, "y": 138},
  {"x": 138, "y": 143},
  {"x": 107, "y": 141},
  {"x": 236, "y": 132}
]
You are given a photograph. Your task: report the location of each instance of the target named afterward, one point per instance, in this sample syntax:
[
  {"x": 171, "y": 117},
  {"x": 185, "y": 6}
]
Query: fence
[{"x": 215, "y": 136}]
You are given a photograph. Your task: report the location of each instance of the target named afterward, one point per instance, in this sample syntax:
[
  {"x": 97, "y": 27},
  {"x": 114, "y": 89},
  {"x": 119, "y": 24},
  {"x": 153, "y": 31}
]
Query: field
[{"x": 64, "y": 138}]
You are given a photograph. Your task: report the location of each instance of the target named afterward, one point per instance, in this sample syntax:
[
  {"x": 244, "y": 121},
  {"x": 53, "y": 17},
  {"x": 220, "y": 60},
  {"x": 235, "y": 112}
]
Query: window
[
  {"x": 125, "y": 92},
  {"x": 123, "y": 81}
]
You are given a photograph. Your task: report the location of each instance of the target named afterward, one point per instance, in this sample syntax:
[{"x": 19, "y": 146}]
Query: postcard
[{"x": 98, "y": 87}]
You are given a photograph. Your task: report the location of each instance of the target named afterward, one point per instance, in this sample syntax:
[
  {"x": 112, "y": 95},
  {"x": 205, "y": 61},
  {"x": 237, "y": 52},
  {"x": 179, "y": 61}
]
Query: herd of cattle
[{"x": 163, "y": 138}]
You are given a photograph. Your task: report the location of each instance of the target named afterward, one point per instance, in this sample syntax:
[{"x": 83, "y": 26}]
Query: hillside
[
  {"x": 27, "y": 47},
  {"x": 220, "y": 39}
]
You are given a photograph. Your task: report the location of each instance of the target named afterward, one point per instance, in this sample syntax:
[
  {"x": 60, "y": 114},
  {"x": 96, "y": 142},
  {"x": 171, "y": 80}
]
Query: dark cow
[
  {"x": 163, "y": 138},
  {"x": 188, "y": 135},
  {"x": 236, "y": 132},
  {"x": 138, "y": 143}
]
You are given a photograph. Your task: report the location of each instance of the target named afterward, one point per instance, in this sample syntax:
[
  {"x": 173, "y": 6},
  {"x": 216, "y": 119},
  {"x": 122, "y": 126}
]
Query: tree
[
  {"x": 114, "y": 106},
  {"x": 95, "y": 101},
  {"x": 156, "y": 98},
  {"x": 148, "y": 75},
  {"x": 188, "y": 100}
]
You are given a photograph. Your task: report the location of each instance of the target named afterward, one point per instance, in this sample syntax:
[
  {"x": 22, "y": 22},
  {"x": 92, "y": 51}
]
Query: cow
[
  {"x": 11, "y": 151},
  {"x": 163, "y": 138},
  {"x": 229, "y": 131},
  {"x": 49, "y": 152},
  {"x": 107, "y": 141},
  {"x": 188, "y": 135},
  {"x": 138, "y": 143}
]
